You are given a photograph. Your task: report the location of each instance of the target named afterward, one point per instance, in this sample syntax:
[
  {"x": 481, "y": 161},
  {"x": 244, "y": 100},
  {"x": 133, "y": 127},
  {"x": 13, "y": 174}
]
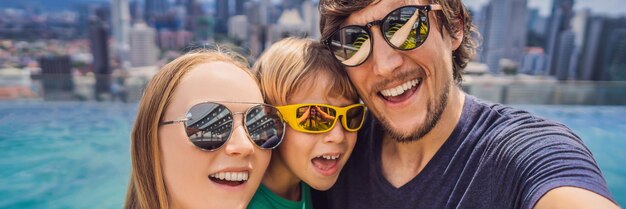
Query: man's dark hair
[{"x": 454, "y": 14}]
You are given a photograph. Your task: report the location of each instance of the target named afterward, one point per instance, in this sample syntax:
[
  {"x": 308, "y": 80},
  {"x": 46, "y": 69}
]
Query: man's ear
[{"x": 457, "y": 38}]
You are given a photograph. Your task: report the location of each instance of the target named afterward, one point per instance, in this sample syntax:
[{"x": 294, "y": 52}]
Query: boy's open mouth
[{"x": 326, "y": 164}]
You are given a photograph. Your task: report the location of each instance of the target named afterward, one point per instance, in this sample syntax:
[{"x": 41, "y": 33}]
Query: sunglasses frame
[
  {"x": 367, "y": 28},
  {"x": 290, "y": 116},
  {"x": 244, "y": 116}
]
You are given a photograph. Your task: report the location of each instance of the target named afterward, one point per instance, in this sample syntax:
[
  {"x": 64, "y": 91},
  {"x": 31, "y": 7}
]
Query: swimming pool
[{"x": 76, "y": 155}]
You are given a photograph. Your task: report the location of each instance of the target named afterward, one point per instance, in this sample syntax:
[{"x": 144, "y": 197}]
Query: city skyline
[{"x": 604, "y": 7}]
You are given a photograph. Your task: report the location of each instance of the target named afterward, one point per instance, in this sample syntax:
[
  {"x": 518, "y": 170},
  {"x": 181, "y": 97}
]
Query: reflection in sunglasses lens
[
  {"x": 209, "y": 125},
  {"x": 264, "y": 126}
]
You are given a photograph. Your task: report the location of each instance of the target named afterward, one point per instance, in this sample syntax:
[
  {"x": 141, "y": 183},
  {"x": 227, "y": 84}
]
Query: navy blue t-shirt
[{"x": 496, "y": 157}]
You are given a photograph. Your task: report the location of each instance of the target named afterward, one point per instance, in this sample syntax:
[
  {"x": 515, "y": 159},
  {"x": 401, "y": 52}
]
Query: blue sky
[{"x": 610, "y": 7}]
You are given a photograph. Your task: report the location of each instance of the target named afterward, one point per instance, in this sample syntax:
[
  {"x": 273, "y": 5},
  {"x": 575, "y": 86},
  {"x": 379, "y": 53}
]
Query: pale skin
[
  {"x": 431, "y": 62},
  {"x": 291, "y": 162},
  {"x": 185, "y": 167}
]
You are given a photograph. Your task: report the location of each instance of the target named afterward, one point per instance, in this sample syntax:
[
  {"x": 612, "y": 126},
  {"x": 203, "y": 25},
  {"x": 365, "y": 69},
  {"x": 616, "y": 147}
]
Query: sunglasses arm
[{"x": 172, "y": 121}]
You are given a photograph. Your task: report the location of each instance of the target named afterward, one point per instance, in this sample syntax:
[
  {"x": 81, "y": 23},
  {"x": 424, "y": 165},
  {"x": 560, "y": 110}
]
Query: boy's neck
[{"x": 281, "y": 181}]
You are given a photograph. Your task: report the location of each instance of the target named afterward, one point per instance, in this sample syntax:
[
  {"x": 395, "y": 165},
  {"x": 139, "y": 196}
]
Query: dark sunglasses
[
  {"x": 210, "y": 124},
  {"x": 321, "y": 118},
  {"x": 405, "y": 28}
]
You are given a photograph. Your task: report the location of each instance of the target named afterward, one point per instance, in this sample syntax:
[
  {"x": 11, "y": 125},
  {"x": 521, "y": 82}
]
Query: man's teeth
[
  {"x": 330, "y": 157},
  {"x": 392, "y": 92},
  {"x": 231, "y": 176}
]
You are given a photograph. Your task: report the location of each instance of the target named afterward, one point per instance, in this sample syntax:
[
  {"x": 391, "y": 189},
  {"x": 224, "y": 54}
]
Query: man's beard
[{"x": 432, "y": 117}]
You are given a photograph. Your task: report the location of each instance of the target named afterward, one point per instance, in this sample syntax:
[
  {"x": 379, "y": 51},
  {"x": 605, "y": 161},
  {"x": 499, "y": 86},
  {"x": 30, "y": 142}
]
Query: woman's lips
[{"x": 230, "y": 178}]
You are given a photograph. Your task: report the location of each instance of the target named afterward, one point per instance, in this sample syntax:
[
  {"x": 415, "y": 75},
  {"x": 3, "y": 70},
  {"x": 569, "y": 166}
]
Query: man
[{"x": 426, "y": 144}]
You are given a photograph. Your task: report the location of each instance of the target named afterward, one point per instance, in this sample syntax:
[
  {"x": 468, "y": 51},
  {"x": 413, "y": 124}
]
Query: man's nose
[{"x": 385, "y": 59}]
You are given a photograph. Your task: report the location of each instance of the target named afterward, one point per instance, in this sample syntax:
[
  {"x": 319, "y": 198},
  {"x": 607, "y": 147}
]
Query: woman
[
  {"x": 323, "y": 112},
  {"x": 202, "y": 137}
]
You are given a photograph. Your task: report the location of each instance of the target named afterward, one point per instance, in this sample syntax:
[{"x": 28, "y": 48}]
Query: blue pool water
[{"x": 76, "y": 155}]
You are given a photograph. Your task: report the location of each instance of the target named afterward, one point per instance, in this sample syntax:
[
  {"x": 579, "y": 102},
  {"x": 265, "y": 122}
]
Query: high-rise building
[
  {"x": 98, "y": 39},
  {"x": 174, "y": 39},
  {"x": 533, "y": 62},
  {"x": 559, "y": 22},
  {"x": 293, "y": 4},
  {"x": 154, "y": 9},
  {"x": 505, "y": 36},
  {"x": 222, "y": 13},
  {"x": 240, "y": 7},
  {"x": 616, "y": 59},
  {"x": 311, "y": 18},
  {"x": 563, "y": 62},
  {"x": 143, "y": 50},
  {"x": 121, "y": 27},
  {"x": 57, "y": 77},
  {"x": 602, "y": 48},
  {"x": 237, "y": 27}
]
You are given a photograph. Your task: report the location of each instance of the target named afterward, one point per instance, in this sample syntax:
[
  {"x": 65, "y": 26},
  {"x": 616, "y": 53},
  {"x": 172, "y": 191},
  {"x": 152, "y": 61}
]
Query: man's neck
[
  {"x": 401, "y": 162},
  {"x": 280, "y": 180}
]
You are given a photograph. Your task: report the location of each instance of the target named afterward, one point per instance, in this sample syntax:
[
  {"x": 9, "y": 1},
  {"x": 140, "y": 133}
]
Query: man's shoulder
[{"x": 513, "y": 127}]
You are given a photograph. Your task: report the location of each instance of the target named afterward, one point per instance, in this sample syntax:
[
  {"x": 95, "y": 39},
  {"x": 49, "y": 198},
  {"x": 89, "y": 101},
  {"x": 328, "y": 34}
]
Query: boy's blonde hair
[{"x": 293, "y": 62}]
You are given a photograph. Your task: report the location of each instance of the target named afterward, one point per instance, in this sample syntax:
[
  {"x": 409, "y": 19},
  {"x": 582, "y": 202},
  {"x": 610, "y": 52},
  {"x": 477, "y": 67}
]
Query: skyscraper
[
  {"x": 98, "y": 39},
  {"x": 154, "y": 9},
  {"x": 616, "y": 59},
  {"x": 221, "y": 16},
  {"x": 563, "y": 62},
  {"x": 143, "y": 50},
  {"x": 602, "y": 53},
  {"x": 505, "y": 33},
  {"x": 559, "y": 22},
  {"x": 121, "y": 28},
  {"x": 57, "y": 82}
]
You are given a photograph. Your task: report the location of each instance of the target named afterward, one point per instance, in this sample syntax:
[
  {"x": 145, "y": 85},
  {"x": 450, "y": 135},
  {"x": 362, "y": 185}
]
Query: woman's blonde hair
[
  {"x": 146, "y": 189},
  {"x": 293, "y": 62}
]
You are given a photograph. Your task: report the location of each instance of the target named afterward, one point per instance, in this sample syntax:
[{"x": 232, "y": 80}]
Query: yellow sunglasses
[{"x": 321, "y": 118}]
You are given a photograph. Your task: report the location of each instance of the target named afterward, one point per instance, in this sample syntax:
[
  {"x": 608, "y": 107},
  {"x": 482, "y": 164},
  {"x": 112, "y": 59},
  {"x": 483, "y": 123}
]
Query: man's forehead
[{"x": 377, "y": 10}]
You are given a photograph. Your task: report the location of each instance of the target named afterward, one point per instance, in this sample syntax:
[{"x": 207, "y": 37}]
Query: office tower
[
  {"x": 311, "y": 18},
  {"x": 221, "y": 16},
  {"x": 174, "y": 39},
  {"x": 565, "y": 55},
  {"x": 616, "y": 55},
  {"x": 154, "y": 9},
  {"x": 602, "y": 49},
  {"x": 57, "y": 80},
  {"x": 505, "y": 32},
  {"x": 98, "y": 39},
  {"x": 559, "y": 22},
  {"x": 121, "y": 27},
  {"x": 533, "y": 62},
  {"x": 237, "y": 27},
  {"x": 240, "y": 7},
  {"x": 135, "y": 10},
  {"x": 143, "y": 50},
  {"x": 289, "y": 24},
  {"x": 293, "y": 4}
]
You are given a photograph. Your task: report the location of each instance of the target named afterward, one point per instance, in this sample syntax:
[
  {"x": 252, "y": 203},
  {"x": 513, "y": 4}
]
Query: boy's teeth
[
  {"x": 330, "y": 157},
  {"x": 392, "y": 92},
  {"x": 231, "y": 176}
]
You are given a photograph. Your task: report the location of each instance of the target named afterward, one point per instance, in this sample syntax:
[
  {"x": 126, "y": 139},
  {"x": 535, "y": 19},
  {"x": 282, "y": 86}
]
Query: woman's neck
[{"x": 281, "y": 180}]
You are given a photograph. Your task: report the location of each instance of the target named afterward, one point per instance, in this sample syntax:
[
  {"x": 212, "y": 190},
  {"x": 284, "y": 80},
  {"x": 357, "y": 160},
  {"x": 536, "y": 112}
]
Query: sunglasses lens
[
  {"x": 350, "y": 45},
  {"x": 354, "y": 117},
  {"x": 209, "y": 125},
  {"x": 265, "y": 126},
  {"x": 406, "y": 28},
  {"x": 315, "y": 118}
]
